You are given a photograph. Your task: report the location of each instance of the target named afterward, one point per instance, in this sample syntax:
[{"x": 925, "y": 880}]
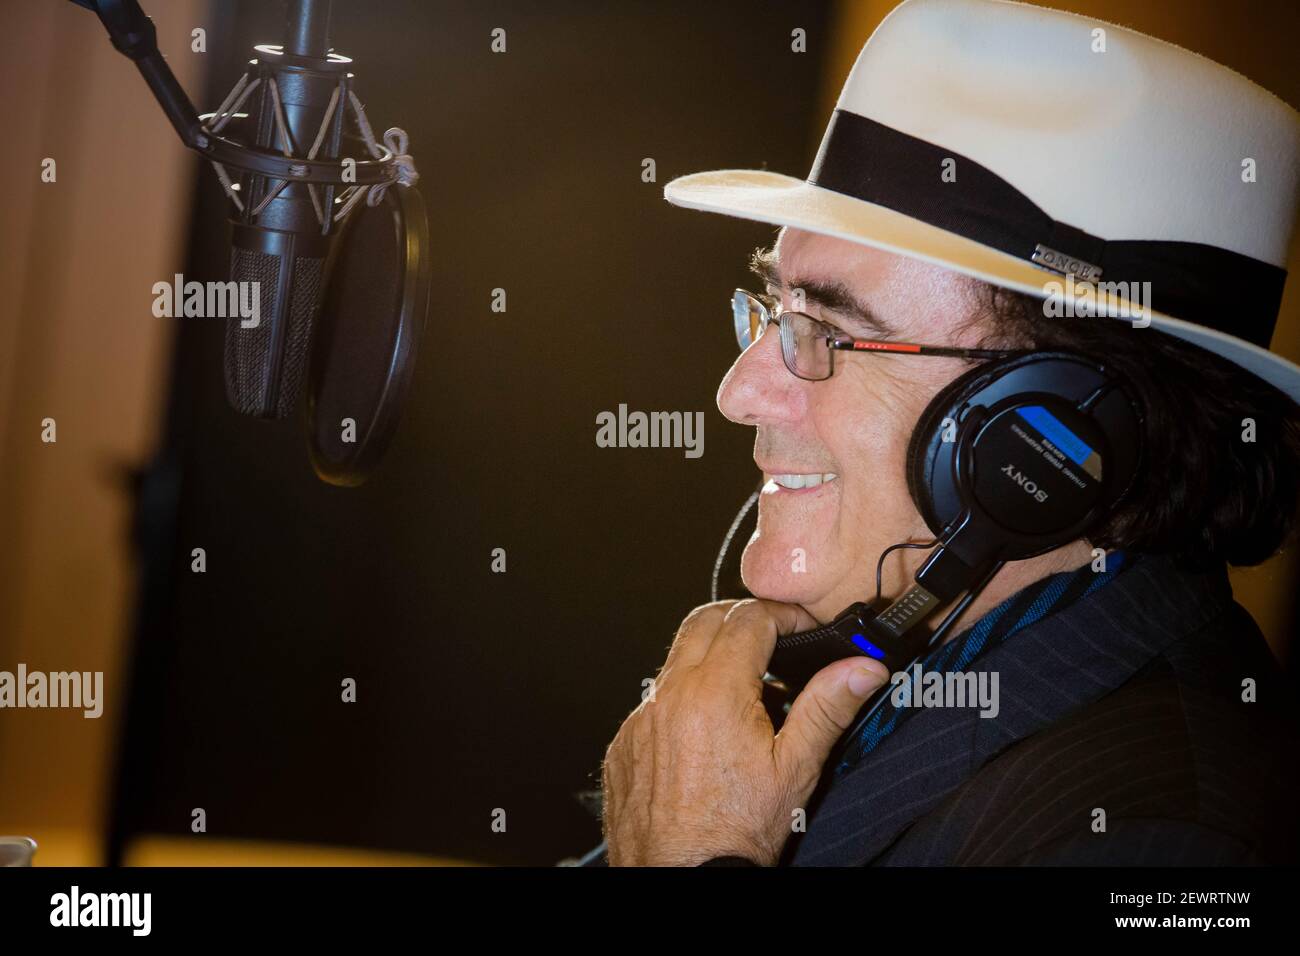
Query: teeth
[{"x": 795, "y": 482}]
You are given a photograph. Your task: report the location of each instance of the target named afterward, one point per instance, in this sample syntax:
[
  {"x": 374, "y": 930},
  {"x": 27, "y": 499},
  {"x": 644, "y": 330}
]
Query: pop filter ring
[{"x": 415, "y": 263}]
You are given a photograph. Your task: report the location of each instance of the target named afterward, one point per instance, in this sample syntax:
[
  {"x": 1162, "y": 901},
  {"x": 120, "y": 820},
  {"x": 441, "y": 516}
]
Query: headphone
[{"x": 1014, "y": 458}]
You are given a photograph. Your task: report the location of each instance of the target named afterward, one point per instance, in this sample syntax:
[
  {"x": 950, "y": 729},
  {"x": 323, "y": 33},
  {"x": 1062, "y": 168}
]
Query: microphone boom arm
[{"x": 134, "y": 36}]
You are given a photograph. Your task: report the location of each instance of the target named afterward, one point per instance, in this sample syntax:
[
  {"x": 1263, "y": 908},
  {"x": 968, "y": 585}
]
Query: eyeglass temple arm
[{"x": 908, "y": 348}]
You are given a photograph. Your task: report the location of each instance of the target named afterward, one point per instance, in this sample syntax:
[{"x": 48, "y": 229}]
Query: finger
[
  {"x": 696, "y": 633},
  {"x": 822, "y": 712},
  {"x": 749, "y": 631}
]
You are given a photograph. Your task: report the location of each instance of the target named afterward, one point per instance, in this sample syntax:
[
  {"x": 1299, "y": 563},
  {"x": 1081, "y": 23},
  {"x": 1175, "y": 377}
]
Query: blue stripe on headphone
[{"x": 1050, "y": 427}]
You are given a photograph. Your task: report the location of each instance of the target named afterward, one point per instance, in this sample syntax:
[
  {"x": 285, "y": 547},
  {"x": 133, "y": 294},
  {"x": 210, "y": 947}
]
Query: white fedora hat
[{"x": 1019, "y": 145}]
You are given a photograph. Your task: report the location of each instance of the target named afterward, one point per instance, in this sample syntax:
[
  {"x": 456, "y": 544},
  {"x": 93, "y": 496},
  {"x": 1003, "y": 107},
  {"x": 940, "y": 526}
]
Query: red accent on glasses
[{"x": 861, "y": 346}]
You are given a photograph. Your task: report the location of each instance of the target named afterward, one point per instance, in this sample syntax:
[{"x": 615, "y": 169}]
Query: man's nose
[{"x": 759, "y": 389}]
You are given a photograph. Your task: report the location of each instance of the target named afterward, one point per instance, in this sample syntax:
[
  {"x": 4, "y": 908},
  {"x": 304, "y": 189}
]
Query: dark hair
[{"x": 1202, "y": 493}]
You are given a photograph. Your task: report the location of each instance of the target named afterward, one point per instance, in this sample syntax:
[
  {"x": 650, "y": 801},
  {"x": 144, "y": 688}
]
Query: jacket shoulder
[{"x": 1190, "y": 762}]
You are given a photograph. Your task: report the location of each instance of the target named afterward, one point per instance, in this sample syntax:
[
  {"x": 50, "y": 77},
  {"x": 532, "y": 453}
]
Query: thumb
[{"x": 822, "y": 712}]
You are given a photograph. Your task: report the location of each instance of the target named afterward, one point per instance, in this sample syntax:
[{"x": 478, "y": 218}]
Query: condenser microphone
[
  {"x": 301, "y": 106},
  {"x": 295, "y": 165},
  {"x": 281, "y": 233}
]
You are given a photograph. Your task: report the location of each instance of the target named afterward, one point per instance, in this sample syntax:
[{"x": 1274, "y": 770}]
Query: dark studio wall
[{"x": 476, "y": 690}]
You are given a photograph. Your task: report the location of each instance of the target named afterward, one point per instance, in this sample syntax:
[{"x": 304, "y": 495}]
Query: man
[{"x": 957, "y": 203}]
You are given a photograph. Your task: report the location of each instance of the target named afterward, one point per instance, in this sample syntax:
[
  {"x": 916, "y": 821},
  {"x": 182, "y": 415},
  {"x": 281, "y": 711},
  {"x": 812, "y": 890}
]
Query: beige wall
[
  {"x": 1259, "y": 45},
  {"x": 79, "y": 344}
]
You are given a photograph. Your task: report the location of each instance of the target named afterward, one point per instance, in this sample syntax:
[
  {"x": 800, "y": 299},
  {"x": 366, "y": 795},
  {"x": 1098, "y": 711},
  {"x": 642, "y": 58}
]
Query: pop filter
[{"x": 368, "y": 331}]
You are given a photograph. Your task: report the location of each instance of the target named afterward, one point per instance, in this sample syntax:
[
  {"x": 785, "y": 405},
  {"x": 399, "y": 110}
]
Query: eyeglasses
[{"x": 809, "y": 345}]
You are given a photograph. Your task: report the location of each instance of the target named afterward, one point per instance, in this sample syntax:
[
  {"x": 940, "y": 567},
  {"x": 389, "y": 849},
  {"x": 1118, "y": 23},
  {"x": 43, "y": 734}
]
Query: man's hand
[{"x": 696, "y": 771}]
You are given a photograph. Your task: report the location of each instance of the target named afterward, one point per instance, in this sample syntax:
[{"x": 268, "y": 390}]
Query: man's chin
[{"x": 777, "y": 580}]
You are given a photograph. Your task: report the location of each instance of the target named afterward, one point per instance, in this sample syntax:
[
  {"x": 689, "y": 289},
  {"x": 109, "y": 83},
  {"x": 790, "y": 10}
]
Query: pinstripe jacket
[{"x": 1125, "y": 736}]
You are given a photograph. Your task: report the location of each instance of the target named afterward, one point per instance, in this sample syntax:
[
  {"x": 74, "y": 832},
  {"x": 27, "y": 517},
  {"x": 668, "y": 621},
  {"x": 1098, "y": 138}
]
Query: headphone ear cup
[
  {"x": 946, "y": 404},
  {"x": 1062, "y": 428},
  {"x": 917, "y": 485}
]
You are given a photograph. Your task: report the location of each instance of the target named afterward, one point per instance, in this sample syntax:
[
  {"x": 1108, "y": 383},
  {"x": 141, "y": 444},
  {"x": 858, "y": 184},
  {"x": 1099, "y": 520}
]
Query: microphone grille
[{"x": 267, "y": 363}]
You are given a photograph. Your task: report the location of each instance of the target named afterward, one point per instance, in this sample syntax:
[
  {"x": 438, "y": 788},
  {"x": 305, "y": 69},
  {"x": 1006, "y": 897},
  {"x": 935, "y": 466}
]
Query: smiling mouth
[{"x": 798, "y": 482}]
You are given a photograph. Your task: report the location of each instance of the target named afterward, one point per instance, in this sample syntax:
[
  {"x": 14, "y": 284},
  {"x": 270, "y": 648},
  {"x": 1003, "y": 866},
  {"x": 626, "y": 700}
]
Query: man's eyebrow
[{"x": 832, "y": 295}]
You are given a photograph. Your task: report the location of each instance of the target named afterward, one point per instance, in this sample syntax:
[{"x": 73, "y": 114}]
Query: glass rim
[
  {"x": 785, "y": 321},
  {"x": 837, "y": 340}
]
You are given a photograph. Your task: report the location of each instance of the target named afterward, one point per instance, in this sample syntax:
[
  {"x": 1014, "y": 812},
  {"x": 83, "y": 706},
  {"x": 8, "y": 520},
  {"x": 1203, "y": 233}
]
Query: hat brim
[{"x": 782, "y": 200}]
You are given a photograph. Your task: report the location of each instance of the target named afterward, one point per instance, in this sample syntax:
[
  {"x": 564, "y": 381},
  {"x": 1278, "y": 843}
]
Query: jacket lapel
[{"x": 1051, "y": 668}]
